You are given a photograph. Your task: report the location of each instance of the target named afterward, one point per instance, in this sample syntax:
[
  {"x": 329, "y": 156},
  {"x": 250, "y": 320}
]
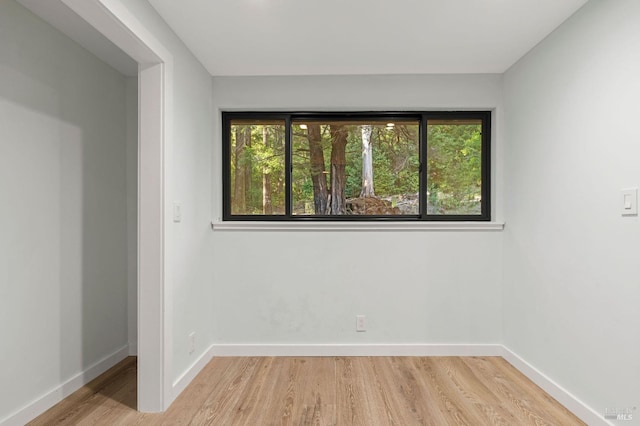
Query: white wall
[
  {"x": 190, "y": 182},
  {"x": 63, "y": 244},
  {"x": 306, "y": 287},
  {"x": 131, "y": 108},
  {"x": 571, "y": 260}
]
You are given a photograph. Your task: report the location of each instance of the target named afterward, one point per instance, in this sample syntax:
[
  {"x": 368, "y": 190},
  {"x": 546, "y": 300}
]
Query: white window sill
[{"x": 356, "y": 226}]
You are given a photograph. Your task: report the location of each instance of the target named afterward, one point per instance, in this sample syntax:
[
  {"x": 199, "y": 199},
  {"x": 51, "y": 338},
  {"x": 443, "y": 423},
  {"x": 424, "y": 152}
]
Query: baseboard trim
[
  {"x": 564, "y": 397},
  {"x": 187, "y": 377},
  {"x": 357, "y": 350},
  {"x": 57, "y": 394},
  {"x": 133, "y": 348}
]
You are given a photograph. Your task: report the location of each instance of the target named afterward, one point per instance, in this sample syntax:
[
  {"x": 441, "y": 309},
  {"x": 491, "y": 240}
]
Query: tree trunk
[
  {"x": 338, "y": 171},
  {"x": 318, "y": 176},
  {"x": 267, "y": 207},
  {"x": 367, "y": 163},
  {"x": 239, "y": 187},
  {"x": 248, "y": 169}
]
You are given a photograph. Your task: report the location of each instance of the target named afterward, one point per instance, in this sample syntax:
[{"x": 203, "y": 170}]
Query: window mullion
[
  {"x": 423, "y": 167},
  {"x": 486, "y": 167}
]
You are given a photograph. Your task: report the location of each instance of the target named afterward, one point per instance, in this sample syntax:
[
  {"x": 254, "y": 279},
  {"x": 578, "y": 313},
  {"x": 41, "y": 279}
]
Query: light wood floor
[{"x": 326, "y": 391}]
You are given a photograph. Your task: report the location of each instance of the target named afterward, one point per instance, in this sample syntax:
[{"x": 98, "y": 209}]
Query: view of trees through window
[
  {"x": 301, "y": 166},
  {"x": 355, "y": 168},
  {"x": 454, "y": 167},
  {"x": 257, "y": 167}
]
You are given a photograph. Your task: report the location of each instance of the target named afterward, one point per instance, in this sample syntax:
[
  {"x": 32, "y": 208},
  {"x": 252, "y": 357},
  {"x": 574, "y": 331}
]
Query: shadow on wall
[{"x": 63, "y": 251}]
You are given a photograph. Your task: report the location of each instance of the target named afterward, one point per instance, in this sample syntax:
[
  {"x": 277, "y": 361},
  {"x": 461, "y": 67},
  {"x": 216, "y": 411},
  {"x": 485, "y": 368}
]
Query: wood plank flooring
[{"x": 325, "y": 391}]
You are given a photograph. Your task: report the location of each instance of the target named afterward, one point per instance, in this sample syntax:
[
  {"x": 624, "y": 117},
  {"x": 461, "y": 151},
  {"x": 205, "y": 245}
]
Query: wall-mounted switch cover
[
  {"x": 630, "y": 202},
  {"x": 177, "y": 212}
]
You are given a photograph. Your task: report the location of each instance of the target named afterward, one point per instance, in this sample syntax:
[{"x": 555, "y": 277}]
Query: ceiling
[
  {"x": 311, "y": 37},
  {"x": 334, "y": 37}
]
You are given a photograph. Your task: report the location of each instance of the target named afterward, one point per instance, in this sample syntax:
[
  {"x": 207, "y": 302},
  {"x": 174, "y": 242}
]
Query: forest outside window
[{"x": 356, "y": 166}]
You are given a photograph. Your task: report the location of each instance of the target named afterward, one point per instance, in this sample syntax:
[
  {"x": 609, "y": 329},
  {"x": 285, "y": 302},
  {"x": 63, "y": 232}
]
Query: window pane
[
  {"x": 454, "y": 167},
  {"x": 362, "y": 167},
  {"x": 257, "y": 167}
]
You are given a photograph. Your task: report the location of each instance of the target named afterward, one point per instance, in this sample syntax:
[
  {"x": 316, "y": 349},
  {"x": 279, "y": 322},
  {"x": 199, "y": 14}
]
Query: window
[{"x": 356, "y": 166}]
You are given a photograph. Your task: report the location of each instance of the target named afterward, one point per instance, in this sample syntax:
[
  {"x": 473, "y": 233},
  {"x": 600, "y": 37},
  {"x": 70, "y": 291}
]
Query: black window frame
[{"x": 420, "y": 116}]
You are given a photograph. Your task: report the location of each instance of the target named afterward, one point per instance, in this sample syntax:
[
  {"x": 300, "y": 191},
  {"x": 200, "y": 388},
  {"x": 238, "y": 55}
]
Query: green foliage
[
  {"x": 396, "y": 160},
  {"x": 262, "y": 155},
  {"x": 454, "y": 177}
]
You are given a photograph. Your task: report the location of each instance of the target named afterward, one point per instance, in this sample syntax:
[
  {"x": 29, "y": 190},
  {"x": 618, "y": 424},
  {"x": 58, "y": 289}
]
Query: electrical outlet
[
  {"x": 192, "y": 342},
  {"x": 361, "y": 323}
]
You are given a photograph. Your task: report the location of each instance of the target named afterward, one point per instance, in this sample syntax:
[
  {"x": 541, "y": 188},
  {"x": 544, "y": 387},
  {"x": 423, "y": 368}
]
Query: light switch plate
[
  {"x": 630, "y": 202},
  {"x": 177, "y": 212}
]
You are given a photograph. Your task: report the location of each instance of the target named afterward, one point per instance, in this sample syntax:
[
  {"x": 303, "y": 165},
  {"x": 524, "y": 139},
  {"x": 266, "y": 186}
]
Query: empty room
[{"x": 358, "y": 212}]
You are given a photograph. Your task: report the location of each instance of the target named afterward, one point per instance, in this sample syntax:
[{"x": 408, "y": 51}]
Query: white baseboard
[
  {"x": 133, "y": 348},
  {"x": 57, "y": 394},
  {"x": 183, "y": 381},
  {"x": 564, "y": 397},
  {"x": 357, "y": 350}
]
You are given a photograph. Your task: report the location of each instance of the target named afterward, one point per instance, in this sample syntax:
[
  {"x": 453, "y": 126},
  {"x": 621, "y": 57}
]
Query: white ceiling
[{"x": 311, "y": 37}]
